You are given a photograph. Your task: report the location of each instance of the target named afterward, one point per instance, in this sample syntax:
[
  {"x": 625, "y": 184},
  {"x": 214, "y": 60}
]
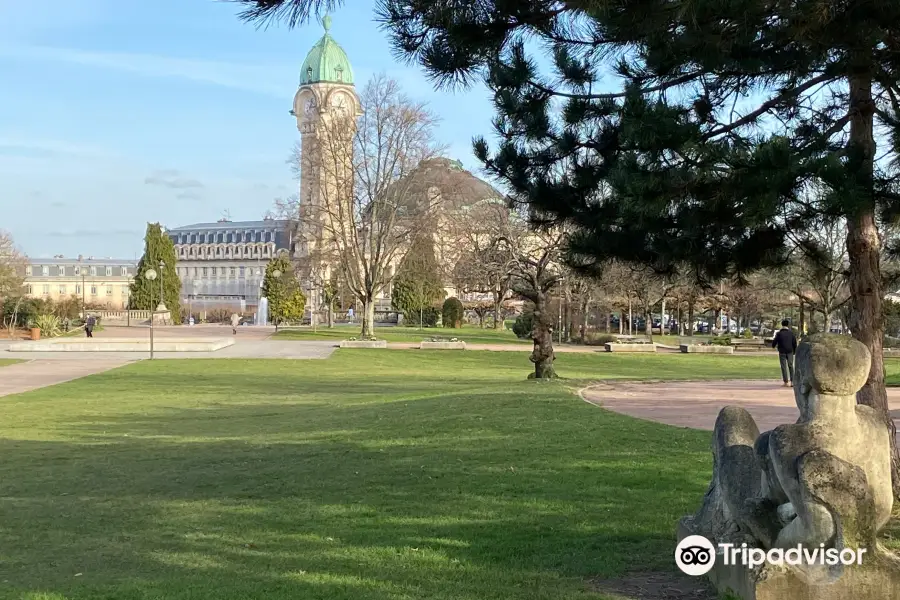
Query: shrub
[
  {"x": 593, "y": 339},
  {"x": 218, "y": 315},
  {"x": 48, "y": 324},
  {"x": 429, "y": 317},
  {"x": 523, "y": 326},
  {"x": 747, "y": 335},
  {"x": 452, "y": 313},
  {"x": 720, "y": 340}
]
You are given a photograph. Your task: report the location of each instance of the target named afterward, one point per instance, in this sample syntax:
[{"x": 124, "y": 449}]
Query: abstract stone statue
[{"x": 824, "y": 481}]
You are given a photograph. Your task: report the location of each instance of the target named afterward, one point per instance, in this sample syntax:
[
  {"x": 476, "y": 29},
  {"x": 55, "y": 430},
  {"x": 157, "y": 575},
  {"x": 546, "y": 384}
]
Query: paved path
[
  {"x": 42, "y": 369},
  {"x": 35, "y": 374},
  {"x": 250, "y": 342},
  {"x": 697, "y": 404}
]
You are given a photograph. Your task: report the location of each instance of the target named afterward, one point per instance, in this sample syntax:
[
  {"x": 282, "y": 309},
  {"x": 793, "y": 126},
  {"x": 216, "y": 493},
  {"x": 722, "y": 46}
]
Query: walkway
[
  {"x": 250, "y": 342},
  {"x": 34, "y": 374},
  {"x": 42, "y": 369},
  {"x": 696, "y": 404}
]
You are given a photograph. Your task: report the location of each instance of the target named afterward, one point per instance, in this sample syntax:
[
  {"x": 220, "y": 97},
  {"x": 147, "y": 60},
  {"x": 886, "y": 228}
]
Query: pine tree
[
  {"x": 730, "y": 119},
  {"x": 286, "y": 300},
  {"x": 145, "y": 294},
  {"x": 729, "y": 114},
  {"x": 417, "y": 285}
]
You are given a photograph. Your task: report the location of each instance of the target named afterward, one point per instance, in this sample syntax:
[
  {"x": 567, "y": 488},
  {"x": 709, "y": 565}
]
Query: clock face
[
  {"x": 340, "y": 101},
  {"x": 310, "y": 106}
]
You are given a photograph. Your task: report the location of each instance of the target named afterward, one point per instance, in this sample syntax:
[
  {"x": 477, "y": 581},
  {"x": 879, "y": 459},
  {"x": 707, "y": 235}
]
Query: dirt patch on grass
[{"x": 656, "y": 586}]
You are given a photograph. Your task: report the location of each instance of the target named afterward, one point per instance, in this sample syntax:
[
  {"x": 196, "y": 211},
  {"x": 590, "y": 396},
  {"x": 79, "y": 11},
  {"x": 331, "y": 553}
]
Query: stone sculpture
[{"x": 824, "y": 481}]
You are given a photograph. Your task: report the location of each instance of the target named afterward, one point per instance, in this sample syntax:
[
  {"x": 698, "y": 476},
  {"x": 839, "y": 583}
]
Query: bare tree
[
  {"x": 649, "y": 289},
  {"x": 819, "y": 275},
  {"x": 12, "y": 267},
  {"x": 362, "y": 205},
  {"x": 535, "y": 270},
  {"x": 484, "y": 266}
]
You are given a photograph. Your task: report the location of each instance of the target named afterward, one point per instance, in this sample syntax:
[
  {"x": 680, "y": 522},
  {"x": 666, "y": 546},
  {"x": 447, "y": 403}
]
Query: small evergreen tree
[
  {"x": 145, "y": 294},
  {"x": 524, "y": 325},
  {"x": 286, "y": 300},
  {"x": 417, "y": 286},
  {"x": 452, "y": 313}
]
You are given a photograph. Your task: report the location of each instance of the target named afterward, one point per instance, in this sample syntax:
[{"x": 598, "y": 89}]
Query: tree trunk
[
  {"x": 648, "y": 321},
  {"x": 662, "y": 318},
  {"x": 630, "y": 318},
  {"x": 608, "y": 322},
  {"x": 368, "y": 320},
  {"x": 542, "y": 356},
  {"x": 331, "y": 315},
  {"x": 802, "y": 318},
  {"x": 621, "y": 322},
  {"x": 498, "y": 317},
  {"x": 690, "y": 325},
  {"x": 679, "y": 315},
  {"x": 864, "y": 252}
]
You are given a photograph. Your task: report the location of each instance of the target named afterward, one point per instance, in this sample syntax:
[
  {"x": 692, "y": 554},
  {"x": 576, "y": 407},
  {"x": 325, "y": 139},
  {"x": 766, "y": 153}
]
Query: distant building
[
  {"x": 97, "y": 281},
  {"x": 222, "y": 264}
]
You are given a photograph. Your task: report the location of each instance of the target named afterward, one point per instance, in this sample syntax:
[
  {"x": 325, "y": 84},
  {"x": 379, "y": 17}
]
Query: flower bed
[
  {"x": 706, "y": 349},
  {"x": 630, "y": 347},
  {"x": 364, "y": 343}
]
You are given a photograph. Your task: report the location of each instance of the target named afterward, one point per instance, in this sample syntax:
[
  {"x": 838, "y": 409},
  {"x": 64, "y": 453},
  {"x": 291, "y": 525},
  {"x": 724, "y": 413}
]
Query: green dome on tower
[{"x": 326, "y": 62}]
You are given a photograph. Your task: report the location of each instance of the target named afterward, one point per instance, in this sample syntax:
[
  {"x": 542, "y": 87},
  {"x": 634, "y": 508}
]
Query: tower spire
[{"x": 326, "y": 22}]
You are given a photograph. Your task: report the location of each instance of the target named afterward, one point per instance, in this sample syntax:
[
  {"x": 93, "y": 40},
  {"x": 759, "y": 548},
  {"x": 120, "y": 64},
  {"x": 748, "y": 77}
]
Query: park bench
[{"x": 751, "y": 344}]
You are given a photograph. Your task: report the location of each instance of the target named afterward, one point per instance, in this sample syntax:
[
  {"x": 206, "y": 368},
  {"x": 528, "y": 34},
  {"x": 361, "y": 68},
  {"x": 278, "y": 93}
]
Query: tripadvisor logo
[{"x": 695, "y": 555}]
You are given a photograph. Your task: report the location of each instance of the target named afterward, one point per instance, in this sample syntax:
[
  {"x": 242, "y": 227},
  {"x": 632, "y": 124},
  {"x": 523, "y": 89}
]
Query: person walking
[
  {"x": 235, "y": 320},
  {"x": 786, "y": 343},
  {"x": 89, "y": 326}
]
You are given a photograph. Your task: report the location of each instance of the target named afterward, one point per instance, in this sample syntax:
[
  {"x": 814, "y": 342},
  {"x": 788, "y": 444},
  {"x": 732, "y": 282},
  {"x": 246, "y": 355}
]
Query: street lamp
[{"x": 150, "y": 275}]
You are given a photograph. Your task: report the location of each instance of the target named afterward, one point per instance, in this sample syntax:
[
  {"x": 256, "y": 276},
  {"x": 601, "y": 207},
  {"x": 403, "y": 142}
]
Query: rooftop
[
  {"x": 326, "y": 61},
  {"x": 232, "y": 225},
  {"x": 87, "y": 260}
]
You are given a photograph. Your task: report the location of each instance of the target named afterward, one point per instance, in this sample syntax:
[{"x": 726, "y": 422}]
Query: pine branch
[
  {"x": 291, "y": 12},
  {"x": 782, "y": 97},
  {"x": 613, "y": 95}
]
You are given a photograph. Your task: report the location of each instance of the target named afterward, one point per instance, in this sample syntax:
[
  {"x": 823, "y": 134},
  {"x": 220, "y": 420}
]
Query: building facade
[
  {"x": 97, "y": 282},
  {"x": 223, "y": 264}
]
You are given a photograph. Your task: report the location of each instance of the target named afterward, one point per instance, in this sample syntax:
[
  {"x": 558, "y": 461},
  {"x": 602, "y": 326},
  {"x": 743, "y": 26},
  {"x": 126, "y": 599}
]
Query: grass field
[
  {"x": 369, "y": 476},
  {"x": 8, "y": 361},
  {"x": 472, "y": 335}
]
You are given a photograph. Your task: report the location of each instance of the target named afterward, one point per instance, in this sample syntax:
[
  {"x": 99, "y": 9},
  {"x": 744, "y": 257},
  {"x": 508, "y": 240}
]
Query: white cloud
[{"x": 268, "y": 79}]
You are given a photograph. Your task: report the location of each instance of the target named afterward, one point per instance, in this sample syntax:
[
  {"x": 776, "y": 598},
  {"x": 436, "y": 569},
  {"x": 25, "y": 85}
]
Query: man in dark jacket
[{"x": 786, "y": 343}]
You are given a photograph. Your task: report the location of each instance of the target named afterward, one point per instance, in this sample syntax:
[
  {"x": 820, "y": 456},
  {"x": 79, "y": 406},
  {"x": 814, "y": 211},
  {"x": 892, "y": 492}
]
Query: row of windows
[
  {"x": 222, "y": 237},
  {"x": 64, "y": 290},
  {"x": 61, "y": 271},
  {"x": 229, "y": 251},
  {"x": 219, "y": 271}
]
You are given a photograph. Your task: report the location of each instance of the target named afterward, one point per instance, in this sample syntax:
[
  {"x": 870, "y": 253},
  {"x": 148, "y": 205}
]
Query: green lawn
[
  {"x": 368, "y": 476},
  {"x": 8, "y": 361},
  {"x": 472, "y": 335}
]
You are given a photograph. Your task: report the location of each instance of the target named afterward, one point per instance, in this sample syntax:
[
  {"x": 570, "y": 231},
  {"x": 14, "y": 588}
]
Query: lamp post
[{"x": 150, "y": 275}]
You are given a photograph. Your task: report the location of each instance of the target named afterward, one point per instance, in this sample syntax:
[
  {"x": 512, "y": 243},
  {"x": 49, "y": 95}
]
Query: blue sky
[{"x": 117, "y": 113}]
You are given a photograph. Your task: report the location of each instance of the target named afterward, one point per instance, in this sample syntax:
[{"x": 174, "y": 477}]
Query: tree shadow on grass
[{"x": 452, "y": 494}]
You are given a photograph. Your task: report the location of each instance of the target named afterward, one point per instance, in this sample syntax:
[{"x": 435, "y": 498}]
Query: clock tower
[{"x": 325, "y": 100}]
